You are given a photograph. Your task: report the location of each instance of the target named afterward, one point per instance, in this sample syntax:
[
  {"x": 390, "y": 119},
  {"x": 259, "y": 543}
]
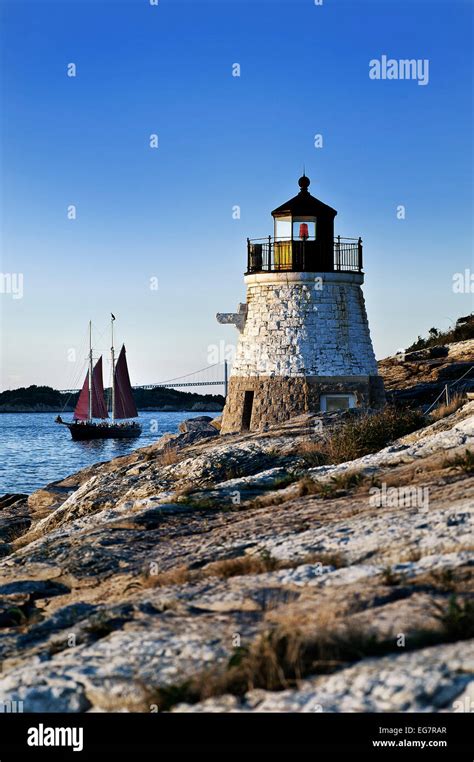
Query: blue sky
[{"x": 166, "y": 213}]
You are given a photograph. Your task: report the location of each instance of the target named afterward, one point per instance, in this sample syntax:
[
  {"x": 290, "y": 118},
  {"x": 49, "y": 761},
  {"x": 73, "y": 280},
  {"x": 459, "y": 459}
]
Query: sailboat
[{"x": 91, "y": 403}]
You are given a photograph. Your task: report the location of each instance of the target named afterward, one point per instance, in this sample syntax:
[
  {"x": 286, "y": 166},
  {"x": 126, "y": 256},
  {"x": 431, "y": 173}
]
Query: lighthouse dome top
[
  {"x": 304, "y": 204},
  {"x": 303, "y": 239},
  {"x": 304, "y": 182}
]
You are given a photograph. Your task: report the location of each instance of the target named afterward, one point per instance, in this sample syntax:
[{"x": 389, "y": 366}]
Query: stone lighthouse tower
[{"x": 304, "y": 342}]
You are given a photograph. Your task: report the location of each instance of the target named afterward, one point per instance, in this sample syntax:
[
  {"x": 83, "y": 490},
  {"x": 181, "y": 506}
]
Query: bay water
[{"x": 35, "y": 451}]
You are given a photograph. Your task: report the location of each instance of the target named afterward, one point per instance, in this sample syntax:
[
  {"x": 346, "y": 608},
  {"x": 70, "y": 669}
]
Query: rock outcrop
[
  {"x": 420, "y": 376},
  {"x": 171, "y": 578}
]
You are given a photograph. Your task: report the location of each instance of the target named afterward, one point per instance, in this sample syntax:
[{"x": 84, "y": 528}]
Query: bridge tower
[{"x": 304, "y": 342}]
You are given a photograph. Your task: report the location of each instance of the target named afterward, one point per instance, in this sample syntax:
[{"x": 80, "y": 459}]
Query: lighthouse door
[{"x": 247, "y": 410}]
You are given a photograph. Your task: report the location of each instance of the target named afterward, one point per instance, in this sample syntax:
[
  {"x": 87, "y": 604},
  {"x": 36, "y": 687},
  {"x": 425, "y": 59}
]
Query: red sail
[
  {"x": 81, "y": 411},
  {"x": 99, "y": 408},
  {"x": 124, "y": 403}
]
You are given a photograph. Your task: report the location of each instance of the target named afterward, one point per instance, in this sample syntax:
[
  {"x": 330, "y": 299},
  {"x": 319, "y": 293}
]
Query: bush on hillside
[{"x": 363, "y": 434}]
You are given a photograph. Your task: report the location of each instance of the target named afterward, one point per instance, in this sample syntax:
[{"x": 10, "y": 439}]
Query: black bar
[{"x": 316, "y": 731}]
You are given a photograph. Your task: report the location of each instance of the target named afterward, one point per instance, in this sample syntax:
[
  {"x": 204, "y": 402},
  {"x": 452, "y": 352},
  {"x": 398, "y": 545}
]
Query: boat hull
[{"x": 86, "y": 431}]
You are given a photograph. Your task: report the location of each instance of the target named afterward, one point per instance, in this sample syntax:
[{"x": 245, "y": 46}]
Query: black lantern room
[{"x": 303, "y": 239}]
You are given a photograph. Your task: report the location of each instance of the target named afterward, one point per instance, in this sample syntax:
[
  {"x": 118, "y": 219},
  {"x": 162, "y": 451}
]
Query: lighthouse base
[{"x": 255, "y": 402}]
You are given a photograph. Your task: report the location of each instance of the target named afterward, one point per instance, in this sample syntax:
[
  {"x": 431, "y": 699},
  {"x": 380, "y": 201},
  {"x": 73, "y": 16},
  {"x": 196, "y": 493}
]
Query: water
[{"x": 35, "y": 451}]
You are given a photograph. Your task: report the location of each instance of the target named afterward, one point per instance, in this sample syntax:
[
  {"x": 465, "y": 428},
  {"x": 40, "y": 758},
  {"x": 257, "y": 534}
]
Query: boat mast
[
  {"x": 90, "y": 370},
  {"x": 112, "y": 355}
]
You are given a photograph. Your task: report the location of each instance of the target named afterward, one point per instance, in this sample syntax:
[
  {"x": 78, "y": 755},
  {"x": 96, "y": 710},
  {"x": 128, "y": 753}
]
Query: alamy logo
[
  {"x": 46, "y": 736},
  {"x": 464, "y": 705},
  {"x": 11, "y": 706},
  {"x": 405, "y": 68},
  {"x": 399, "y": 497},
  {"x": 12, "y": 283}
]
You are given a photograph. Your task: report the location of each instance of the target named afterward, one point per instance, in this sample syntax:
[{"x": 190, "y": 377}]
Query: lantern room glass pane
[
  {"x": 282, "y": 228},
  {"x": 304, "y": 229}
]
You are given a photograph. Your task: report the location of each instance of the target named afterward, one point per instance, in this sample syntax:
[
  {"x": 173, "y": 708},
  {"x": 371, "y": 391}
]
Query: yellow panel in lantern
[{"x": 282, "y": 255}]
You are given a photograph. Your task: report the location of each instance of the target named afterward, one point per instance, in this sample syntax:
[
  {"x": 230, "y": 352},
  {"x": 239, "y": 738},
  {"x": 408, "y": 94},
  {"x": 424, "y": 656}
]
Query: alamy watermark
[
  {"x": 42, "y": 735},
  {"x": 463, "y": 283},
  {"x": 465, "y": 704},
  {"x": 11, "y": 706},
  {"x": 417, "y": 69},
  {"x": 399, "y": 497},
  {"x": 221, "y": 352},
  {"x": 12, "y": 283}
]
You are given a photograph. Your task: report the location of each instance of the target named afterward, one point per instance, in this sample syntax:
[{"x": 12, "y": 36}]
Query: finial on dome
[{"x": 304, "y": 183}]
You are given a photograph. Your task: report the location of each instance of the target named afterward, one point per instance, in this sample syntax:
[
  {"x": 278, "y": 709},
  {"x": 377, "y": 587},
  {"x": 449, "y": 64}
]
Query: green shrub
[
  {"x": 457, "y": 619},
  {"x": 464, "y": 462},
  {"x": 370, "y": 432}
]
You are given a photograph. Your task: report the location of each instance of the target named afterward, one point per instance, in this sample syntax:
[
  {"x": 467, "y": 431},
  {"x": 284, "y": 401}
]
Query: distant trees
[
  {"x": 464, "y": 330},
  {"x": 44, "y": 397},
  {"x": 33, "y": 396}
]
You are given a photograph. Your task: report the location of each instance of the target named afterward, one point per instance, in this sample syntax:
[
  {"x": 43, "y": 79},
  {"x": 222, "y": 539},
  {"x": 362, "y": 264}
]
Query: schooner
[{"x": 92, "y": 405}]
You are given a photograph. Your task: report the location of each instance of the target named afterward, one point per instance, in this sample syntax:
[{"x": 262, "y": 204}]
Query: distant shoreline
[
  {"x": 45, "y": 399},
  {"x": 165, "y": 409}
]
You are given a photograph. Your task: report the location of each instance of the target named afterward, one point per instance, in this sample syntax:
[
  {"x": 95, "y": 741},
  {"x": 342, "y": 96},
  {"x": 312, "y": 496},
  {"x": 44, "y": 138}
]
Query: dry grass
[
  {"x": 336, "y": 485},
  {"x": 166, "y": 457},
  {"x": 458, "y": 580},
  {"x": 415, "y": 554},
  {"x": 312, "y": 453},
  {"x": 185, "y": 490},
  {"x": 444, "y": 409},
  {"x": 361, "y": 435},
  {"x": 390, "y": 578},
  {"x": 370, "y": 433},
  {"x": 237, "y": 567},
  {"x": 292, "y": 650},
  {"x": 279, "y": 658},
  {"x": 180, "y": 575},
  {"x": 412, "y": 555},
  {"x": 169, "y": 456}
]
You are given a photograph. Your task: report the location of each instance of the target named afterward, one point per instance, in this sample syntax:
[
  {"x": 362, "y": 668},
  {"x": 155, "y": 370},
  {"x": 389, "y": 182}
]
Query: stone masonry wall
[
  {"x": 278, "y": 398},
  {"x": 304, "y": 335},
  {"x": 275, "y": 400},
  {"x": 298, "y": 325}
]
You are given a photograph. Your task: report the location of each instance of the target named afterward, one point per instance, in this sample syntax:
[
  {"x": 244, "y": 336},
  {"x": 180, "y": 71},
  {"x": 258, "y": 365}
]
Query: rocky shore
[{"x": 231, "y": 573}]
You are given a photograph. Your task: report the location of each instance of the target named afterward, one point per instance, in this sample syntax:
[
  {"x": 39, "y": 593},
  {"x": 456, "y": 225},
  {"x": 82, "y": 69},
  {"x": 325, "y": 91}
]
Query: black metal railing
[{"x": 290, "y": 255}]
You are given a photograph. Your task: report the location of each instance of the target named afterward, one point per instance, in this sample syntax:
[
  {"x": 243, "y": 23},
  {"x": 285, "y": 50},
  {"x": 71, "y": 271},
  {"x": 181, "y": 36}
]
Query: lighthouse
[{"x": 304, "y": 342}]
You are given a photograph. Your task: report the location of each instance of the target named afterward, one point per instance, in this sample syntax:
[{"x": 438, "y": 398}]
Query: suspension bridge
[
  {"x": 216, "y": 374},
  {"x": 208, "y": 380}
]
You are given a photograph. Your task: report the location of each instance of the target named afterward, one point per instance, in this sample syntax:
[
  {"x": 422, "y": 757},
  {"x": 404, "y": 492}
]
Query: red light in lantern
[{"x": 304, "y": 231}]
